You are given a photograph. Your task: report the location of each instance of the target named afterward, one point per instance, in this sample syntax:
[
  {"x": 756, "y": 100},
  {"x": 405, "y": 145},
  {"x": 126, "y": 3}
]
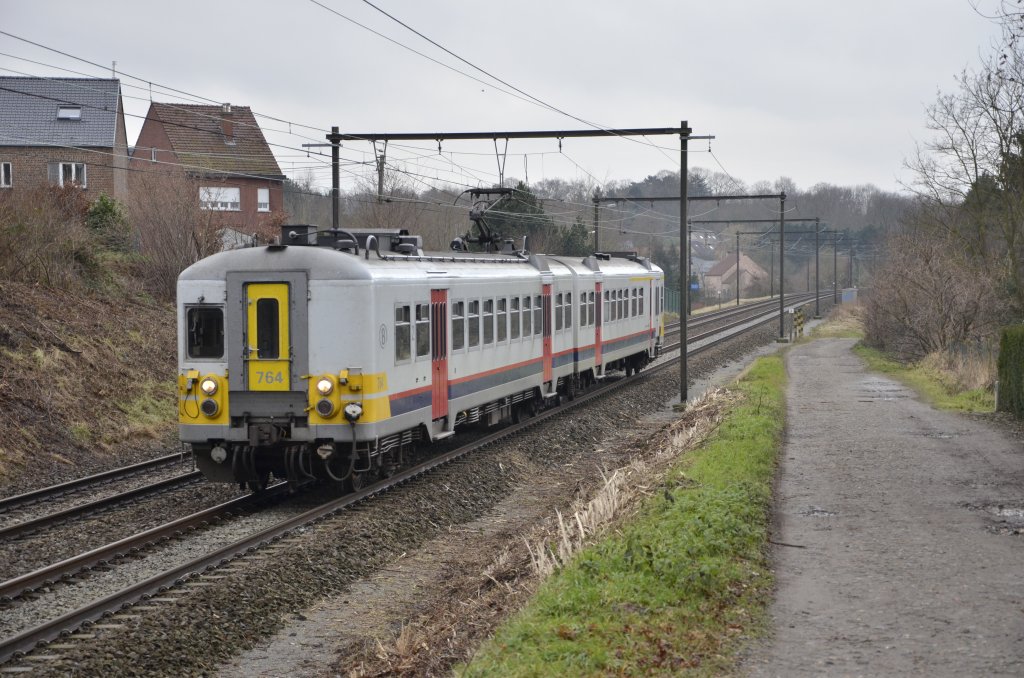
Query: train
[{"x": 335, "y": 354}]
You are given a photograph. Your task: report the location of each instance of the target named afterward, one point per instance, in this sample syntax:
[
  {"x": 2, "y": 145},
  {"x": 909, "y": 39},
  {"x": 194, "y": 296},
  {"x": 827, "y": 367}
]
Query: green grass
[
  {"x": 671, "y": 591},
  {"x": 929, "y": 384}
]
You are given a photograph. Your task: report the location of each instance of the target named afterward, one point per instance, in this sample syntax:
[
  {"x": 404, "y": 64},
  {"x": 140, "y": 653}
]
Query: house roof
[
  {"x": 28, "y": 111},
  {"x": 726, "y": 266},
  {"x": 722, "y": 267},
  {"x": 198, "y": 138}
]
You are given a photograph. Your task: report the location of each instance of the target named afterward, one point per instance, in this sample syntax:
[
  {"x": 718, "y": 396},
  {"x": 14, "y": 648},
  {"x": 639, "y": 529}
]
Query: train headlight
[
  {"x": 209, "y": 407},
  {"x": 325, "y": 386},
  {"x": 325, "y": 408},
  {"x": 208, "y": 386}
]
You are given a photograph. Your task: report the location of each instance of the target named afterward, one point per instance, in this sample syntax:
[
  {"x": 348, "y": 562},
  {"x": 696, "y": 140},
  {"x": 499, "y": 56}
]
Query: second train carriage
[{"x": 323, "y": 358}]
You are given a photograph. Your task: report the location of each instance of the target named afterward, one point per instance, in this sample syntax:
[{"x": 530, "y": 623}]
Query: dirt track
[{"x": 898, "y": 527}]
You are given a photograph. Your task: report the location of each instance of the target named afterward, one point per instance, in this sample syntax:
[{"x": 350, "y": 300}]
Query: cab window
[
  {"x": 267, "y": 346},
  {"x": 205, "y": 332}
]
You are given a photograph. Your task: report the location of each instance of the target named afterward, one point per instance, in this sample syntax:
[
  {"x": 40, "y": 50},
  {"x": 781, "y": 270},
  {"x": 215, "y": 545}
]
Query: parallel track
[{"x": 48, "y": 631}]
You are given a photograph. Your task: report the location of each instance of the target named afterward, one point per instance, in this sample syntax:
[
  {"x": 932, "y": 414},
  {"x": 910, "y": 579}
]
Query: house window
[
  {"x": 69, "y": 112},
  {"x": 68, "y": 173},
  {"x": 152, "y": 155},
  {"x": 6, "y": 178},
  {"x": 220, "y": 198},
  {"x": 262, "y": 199}
]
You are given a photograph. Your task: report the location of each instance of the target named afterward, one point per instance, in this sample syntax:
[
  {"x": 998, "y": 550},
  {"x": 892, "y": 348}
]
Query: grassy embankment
[
  {"x": 676, "y": 585},
  {"x": 944, "y": 383}
]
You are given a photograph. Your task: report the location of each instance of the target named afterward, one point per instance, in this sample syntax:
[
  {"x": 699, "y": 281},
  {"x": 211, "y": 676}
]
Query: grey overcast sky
[{"x": 815, "y": 90}]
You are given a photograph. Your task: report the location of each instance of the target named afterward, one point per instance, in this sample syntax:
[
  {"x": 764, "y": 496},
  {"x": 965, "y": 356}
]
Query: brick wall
[{"x": 29, "y": 168}]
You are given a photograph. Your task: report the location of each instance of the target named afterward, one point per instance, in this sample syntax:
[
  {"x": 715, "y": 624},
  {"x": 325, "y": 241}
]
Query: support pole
[
  {"x": 817, "y": 309},
  {"x": 684, "y": 272},
  {"x": 782, "y": 267},
  {"x": 835, "y": 269},
  {"x": 738, "y": 268},
  {"x": 851, "y": 262},
  {"x": 689, "y": 269},
  {"x": 381, "y": 160},
  {"x": 597, "y": 232},
  {"x": 335, "y": 178}
]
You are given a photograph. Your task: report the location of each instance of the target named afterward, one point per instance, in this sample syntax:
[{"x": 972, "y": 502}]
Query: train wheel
[
  {"x": 260, "y": 485},
  {"x": 354, "y": 482}
]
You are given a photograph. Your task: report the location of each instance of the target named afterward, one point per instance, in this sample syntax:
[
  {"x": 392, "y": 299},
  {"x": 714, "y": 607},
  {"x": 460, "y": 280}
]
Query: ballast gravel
[{"x": 195, "y": 627}]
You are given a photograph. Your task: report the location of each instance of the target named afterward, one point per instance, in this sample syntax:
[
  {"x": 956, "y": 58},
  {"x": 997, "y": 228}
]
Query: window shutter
[{"x": 53, "y": 173}]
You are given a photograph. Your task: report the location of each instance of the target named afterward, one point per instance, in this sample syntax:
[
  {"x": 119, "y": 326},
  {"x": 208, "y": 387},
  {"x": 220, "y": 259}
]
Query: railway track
[
  {"x": 26, "y": 640},
  {"x": 37, "y": 504}
]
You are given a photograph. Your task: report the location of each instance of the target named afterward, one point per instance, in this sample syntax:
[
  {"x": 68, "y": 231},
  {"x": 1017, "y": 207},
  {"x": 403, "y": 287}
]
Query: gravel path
[{"x": 898, "y": 529}]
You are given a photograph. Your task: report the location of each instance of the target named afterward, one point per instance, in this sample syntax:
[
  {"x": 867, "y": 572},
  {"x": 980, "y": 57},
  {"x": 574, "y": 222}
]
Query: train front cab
[{"x": 261, "y": 397}]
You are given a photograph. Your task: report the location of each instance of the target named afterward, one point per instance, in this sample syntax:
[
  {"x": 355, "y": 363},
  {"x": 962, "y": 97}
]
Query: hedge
[{"x": 1011, "y": 370}]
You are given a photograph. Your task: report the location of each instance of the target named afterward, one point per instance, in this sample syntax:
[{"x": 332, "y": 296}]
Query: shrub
[
  {"x": 108, "y": 222},
  {"x": 1011, "y": 370}
]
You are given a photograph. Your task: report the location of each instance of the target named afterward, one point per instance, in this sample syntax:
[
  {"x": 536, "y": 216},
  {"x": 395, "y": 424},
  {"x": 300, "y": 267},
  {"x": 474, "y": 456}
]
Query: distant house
[
  {"x": 63, "y": 131},
  {"x": 722, "y": 276},
  {"x": 223, "y": 149}
]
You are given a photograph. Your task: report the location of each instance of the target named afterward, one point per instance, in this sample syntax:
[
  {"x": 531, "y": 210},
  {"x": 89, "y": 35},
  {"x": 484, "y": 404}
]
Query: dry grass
[
  {"x": 554, "y": 547},
  {"x": 81, "y": 372},
  {"x": 844, "y": 322}
]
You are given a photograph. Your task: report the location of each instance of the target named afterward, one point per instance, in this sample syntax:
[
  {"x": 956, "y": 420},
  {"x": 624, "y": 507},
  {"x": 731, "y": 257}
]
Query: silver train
[{"x": 334, "y": 354}]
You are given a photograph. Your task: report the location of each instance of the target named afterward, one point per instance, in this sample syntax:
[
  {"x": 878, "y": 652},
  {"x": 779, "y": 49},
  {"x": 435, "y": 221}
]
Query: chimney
[{"x": 229, "y": 125}]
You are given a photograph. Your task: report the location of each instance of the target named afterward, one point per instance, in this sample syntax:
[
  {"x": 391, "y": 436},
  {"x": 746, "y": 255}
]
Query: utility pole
[
  {"x": 689, "y": 268},
  {"x": 771, "y": 270},
  {"x": 817, "y": 309},
  {"x": 835, "y": 270},
  {"x": 738, "y": 268},
  {"x": 782, "y": 266},
  {"x": 381, "y": 160},
  {"x": 335, "y": 178},
  {"x": 597, "y": 232},
  {"x": 851, "y": 262},
  {"x": 684, "y": 269}
]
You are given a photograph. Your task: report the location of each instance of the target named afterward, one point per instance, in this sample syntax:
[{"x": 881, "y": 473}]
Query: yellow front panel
[{"x": 267, "y": 365}]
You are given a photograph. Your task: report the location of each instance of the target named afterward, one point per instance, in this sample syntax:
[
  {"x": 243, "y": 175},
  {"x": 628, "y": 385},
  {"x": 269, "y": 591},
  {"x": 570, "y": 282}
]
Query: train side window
[
  {"x": 623, "y": 309},
  {"x": 607, "y": 315},
  {"x": 558, "y": 312},
  {"x": 502, "y": 320},
  {"x": 527, "y": 318},
  {"x": 514, "y": 319},
  {"x": 583, "y": 310},
  {"x": 488, "y": 321},
  {"x": 568, "y": 310},
  {"x": 458, "y": 325},
  {"x": 474, "y": 323},
  {"x": 403, "y": 334},
  {"x": 205, "y": 332},
  {"x": 538, "y": 316},
  {"x": 422, "y": 330},
  {"x": 590, "y": 308},
  {"x": 634, "y": 295},
  {"x": 641, "y": 301}
]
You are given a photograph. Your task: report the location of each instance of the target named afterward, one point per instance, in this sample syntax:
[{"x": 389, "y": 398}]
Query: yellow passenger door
[{"x": 268, "y": 351}]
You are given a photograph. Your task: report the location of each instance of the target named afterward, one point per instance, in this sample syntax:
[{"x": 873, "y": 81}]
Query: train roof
[{"x": 322, "y": 263}]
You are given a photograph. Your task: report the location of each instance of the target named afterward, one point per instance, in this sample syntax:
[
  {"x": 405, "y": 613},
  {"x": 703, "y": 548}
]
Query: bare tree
[{"x": 171, "y": 230}]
